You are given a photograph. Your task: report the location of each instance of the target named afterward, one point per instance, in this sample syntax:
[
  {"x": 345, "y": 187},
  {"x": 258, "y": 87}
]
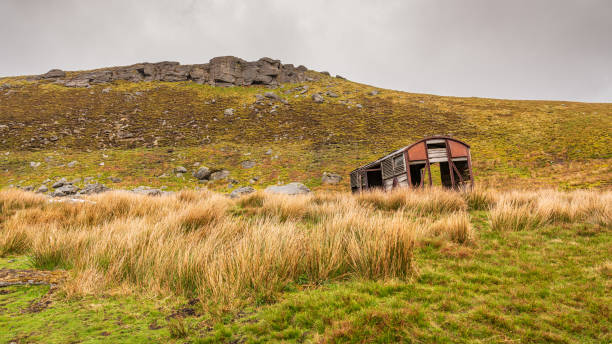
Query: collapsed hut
[{"x": 410, "y": 166}]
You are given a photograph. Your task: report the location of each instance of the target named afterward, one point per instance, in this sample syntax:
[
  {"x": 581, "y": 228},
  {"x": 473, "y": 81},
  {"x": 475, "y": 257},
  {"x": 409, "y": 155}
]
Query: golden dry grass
[
  {"x": 518, "y": 210},
  {"x": 201, "y": 243}
]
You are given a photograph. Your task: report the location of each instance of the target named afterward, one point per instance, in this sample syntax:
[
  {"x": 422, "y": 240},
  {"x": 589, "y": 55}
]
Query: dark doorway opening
[
  {"x": 374, "y": 179},
  {"x": 416, "y": 174}
]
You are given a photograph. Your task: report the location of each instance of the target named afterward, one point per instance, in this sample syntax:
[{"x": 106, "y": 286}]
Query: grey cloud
[{"x": 543, "y": 49}]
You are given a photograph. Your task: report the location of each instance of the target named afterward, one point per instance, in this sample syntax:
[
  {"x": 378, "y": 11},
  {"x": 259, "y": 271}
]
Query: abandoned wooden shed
[{"x": 411, "y": 166}]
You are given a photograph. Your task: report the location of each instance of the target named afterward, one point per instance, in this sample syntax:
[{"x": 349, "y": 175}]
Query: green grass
[{"x": 534, "y": 286}]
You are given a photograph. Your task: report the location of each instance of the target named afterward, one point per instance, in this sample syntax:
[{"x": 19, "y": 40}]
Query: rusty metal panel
[
  {"x": 457, "y": 149},
  {"x": 417, "y": 152}
]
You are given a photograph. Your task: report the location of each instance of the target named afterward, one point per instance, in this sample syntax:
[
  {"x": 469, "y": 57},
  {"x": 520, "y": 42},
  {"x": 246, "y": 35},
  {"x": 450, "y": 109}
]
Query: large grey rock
[
  {"x": 94, "y": 188},
  {"x": 202, "y": 173},
  {"x": 241, "y": 192},
  {"x": 248, "y": 164},
  {"x": 54, "y": 73},
  {"x": 65, "y": 190},
  {"x": 218, "y": 175},
  {"x": 330, "y": 178},
  {"x": 145, "y": 190},
  {"x": 42, "y": 189},
  {"x": 59, "y": 183},
  {"x": 272, "y": 95},
  {"x": 317, "y": 98},
  {"x": 288, "y": 189}
]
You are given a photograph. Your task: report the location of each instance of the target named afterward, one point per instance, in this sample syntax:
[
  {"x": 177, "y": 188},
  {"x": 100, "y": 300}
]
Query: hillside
[
  {"x": 141, "y": 130},
  {"x": 491, "y": 264}
]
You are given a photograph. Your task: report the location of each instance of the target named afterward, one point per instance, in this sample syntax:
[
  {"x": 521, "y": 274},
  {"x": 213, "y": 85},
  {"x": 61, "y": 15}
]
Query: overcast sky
[{"x": 520, "y": 49}]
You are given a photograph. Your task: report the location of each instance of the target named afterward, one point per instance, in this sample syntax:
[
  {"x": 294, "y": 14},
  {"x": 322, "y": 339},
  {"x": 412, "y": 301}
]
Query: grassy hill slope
[{"x": 141, "y": 131}]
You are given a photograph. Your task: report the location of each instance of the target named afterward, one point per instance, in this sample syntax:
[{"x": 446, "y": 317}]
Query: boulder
[
  {"x": 272, "y": 95},
  {"x": 330, "y": 178},
  {"x": 65, "y": 190},
  {"x": 94, "y": 188},
  {"x": 288, "y": 189},
  {"x": 218, "y": 175},
  {"x": 241, "y": 192},
  {"x": 180, "y": 169},
  {"x": 317, "y": 98},
  {"x": 54, "y": 73},
  {"x": 59, "y": 183},
  {"x": 42, "y": 189},
  {"x": 202, "y": 173},
  {"x": 145, "y": 190},
  {"x": 247, "y": 164}
]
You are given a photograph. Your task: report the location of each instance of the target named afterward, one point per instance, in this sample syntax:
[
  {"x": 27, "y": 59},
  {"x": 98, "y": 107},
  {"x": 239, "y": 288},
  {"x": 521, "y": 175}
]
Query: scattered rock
[
  {"x": 269, "y": 152},
  {"x": 340, "y": 77},
  {"x": 106, "y": 90},
  {"x": 42, "y": 189},
  {"x": 373, "y": 92},
  {"x": 114, "y": 179},
  {"x": 34, "y": 164},
  {"x": 241, "y": 192},
  {"x": 219, "y": 175},
  {"x": 325, "y": 73},
  {"x": 317, "y": 98},
  {"x": 180, "y": 169},
  {"x": 359, "y": 106},
  {"x": 228, "y": 112},
  {"x": 59, "y": 183},
  {"x": 288, "y": 189},
  {"x": 46, "y": 181},
  {"x": 94, "y": 188},
  {"x": 145, "y": 190},
  {"x": 202, "y": 173},
  {"x": 272, "y": 95},
  {"x": 247, "y": 164},
  {"x": 332, "y": 94},
  {"x": 330, "y": 178},
  {"x": 28, "y": 188},
  {"x": 65, "y": 190},
  {"x": 72, "y": 163}
]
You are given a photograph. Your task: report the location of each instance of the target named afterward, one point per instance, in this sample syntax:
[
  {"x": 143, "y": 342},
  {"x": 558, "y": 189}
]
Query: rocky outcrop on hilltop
[{"x": 219, "y": 71}]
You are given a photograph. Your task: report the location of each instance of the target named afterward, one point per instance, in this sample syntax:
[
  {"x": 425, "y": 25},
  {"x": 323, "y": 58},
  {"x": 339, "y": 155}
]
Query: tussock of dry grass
[
  {"x": 526, "y": 210},
  {"x": 199, "y": 243}
]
